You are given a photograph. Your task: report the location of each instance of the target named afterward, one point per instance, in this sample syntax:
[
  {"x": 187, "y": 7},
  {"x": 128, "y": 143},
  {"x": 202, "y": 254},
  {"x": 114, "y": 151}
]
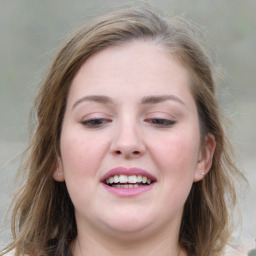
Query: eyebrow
[
  {"x": 161, "y": 98},
  {"x": 95, "y": 98},
  {"x": 145, "y": 100}
]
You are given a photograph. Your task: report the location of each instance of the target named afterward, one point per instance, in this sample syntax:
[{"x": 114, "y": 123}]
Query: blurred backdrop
[{"x": 32, "y": 31}]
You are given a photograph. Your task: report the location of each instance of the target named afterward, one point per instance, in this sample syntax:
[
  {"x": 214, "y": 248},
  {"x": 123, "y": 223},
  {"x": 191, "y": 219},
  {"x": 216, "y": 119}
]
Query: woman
[{"x": 129, "y": 156}]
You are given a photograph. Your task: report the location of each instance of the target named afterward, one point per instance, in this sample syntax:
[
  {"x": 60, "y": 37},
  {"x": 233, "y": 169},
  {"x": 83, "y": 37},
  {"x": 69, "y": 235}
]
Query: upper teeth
[{"x": 128, "y": 179}]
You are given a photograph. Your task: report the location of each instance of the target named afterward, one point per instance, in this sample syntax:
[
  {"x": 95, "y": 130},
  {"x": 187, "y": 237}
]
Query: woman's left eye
[
  {"x": 161, "y": 122},
  {"x": 95, "y": 122}
]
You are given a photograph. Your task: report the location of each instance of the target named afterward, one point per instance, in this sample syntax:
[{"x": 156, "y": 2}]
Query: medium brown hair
[{"x": 43, "y": 210}]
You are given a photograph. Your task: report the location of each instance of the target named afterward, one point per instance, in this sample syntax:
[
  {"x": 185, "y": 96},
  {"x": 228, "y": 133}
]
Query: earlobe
[
  {"x": 205, "y": 157},
  {"x": 58, "y": 173}
]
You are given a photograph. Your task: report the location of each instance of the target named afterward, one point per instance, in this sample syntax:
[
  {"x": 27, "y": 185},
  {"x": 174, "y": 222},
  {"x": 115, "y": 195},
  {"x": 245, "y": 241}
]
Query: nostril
[{"x": 135, "y": 153}]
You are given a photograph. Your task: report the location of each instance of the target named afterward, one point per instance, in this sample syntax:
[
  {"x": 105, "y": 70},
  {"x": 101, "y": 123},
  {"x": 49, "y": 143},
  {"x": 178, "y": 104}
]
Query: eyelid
[
  {"x": 160, "y": 119},
  {"x": 160, "y": 115},
  {"x": 88, "y": 119},
  {"x": 96, "y": 115},
  {"x": 160, "y": 122},
  {"x": 95, "y": 123}
]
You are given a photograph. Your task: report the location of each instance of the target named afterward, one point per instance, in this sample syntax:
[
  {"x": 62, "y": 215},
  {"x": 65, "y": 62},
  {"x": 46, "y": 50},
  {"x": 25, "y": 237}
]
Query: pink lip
[{"x": 127, "y": 192}]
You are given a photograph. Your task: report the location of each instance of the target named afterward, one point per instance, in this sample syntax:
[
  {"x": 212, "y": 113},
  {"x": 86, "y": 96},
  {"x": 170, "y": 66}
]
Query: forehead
[{"x": 135, "y": 68}]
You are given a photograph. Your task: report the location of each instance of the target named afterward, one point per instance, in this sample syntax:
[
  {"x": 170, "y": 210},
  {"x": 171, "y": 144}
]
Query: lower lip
[{"x": 128, "y": 192}]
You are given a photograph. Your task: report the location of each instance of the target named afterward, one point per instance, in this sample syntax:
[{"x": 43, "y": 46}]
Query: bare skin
[{"x": 131, "y": 107}]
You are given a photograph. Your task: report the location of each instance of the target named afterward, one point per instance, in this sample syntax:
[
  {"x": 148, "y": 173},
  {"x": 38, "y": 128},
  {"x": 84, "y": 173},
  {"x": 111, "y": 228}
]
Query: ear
[
  {"x": 205, "y": 157},
  {"x": 58, "y": 173}
]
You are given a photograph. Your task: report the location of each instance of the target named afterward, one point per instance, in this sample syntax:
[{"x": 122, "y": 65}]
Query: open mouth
[{"x": 128, "y": 181}]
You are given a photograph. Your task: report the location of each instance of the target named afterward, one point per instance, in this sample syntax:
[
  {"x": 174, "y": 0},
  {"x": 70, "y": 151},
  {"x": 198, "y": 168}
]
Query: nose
[{"x": 127, "y": 142}]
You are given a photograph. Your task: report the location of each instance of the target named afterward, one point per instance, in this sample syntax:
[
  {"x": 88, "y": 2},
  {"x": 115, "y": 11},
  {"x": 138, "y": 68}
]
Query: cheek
[
  {"x": 80, "y": 152},
  {"x": 180, "y": 147},
  {"x": 81, "y": 157},
  {"x": 177, "y": 156}
]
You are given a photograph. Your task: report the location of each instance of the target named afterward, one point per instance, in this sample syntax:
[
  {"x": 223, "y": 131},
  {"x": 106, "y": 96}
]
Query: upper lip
[{"x": 128, "y": 172}]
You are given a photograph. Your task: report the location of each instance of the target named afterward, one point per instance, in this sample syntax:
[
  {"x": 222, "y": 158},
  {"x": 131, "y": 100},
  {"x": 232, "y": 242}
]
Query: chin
[{"x": 129, "y": 223}]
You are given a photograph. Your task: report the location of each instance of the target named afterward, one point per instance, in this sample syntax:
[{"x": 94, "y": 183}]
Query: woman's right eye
[{"x": 95, "y": 122}]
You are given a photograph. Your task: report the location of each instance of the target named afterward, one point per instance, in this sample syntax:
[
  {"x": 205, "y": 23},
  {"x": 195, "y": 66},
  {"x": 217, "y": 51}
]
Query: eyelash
[
  {"x": 95, "y": 122},
  {"x": 99, "y": 122},
  {"x": 161, "y": 122}
]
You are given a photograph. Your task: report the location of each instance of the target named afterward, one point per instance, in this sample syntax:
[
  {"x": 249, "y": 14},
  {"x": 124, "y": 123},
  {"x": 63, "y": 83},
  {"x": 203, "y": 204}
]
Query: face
[{"x": 130, "y": 141}]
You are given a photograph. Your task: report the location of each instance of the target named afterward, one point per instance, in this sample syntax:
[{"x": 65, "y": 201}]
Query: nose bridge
[{"x": 128, "y": 138}]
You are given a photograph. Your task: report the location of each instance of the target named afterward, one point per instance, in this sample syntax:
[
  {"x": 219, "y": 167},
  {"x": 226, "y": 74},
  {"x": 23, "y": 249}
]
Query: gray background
[{"x": 31, "y": 32}]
